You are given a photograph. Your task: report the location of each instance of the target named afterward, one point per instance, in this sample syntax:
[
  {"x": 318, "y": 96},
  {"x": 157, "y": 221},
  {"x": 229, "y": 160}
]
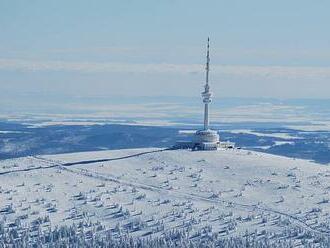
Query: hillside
[{"x": 146, "y": 192}]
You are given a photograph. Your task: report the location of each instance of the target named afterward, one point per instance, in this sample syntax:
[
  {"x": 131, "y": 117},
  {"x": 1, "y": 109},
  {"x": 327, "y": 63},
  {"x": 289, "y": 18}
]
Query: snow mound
[{"x": 151, "y": 191}]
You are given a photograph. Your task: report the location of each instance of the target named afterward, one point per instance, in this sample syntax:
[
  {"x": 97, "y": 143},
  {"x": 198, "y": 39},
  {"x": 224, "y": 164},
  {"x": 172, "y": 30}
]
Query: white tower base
[{"x": 206, "y": 140}]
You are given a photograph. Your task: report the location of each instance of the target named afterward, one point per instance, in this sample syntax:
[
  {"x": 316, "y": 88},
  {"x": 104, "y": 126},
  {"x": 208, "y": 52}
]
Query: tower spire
[
  {"x": 206, "y": 94},
  {"x": 208, "y": 60}
]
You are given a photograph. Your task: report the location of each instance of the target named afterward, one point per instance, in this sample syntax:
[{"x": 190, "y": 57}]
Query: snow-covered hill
[{"x": 146, "y": 192}]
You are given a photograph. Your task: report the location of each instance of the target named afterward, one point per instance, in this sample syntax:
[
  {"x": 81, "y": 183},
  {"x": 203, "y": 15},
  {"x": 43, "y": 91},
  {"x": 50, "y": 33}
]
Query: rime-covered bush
[{"x": 94, "y": 235}]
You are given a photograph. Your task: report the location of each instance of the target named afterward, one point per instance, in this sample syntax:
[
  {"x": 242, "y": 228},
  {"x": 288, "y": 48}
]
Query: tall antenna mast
[
  {"x": 206, "y": 94},
  {"x": 208, "y": 61}
]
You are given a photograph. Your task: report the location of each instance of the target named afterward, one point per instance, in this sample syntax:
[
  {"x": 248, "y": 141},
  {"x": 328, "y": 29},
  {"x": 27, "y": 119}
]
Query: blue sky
[{"x": 277, "y": 49}]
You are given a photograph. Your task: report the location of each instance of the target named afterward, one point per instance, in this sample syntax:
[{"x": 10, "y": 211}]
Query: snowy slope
[{"x": 148, "y": 191}]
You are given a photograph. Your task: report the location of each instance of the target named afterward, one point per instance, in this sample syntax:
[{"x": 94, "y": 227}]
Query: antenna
[
  {"x": 207, "y": 63},
  {"x": 206, "y": 94}
]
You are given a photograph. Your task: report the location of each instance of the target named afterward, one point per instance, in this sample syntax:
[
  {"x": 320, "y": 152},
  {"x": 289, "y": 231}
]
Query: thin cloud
[{"x": 230, "y": 70}]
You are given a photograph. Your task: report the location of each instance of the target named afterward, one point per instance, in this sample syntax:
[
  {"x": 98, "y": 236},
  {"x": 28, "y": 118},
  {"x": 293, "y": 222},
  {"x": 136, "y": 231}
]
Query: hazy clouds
[{"x": 286, "y": 72}]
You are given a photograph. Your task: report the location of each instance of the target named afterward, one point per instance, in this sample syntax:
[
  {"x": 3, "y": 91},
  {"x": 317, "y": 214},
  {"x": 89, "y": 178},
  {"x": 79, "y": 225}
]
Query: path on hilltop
[{"x": 54, "y": 163}]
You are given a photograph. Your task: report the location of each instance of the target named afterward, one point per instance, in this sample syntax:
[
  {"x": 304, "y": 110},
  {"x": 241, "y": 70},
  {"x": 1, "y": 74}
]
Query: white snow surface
[
  {"x": 274, "y": 135},
  {"x": 230, "y": 190}
]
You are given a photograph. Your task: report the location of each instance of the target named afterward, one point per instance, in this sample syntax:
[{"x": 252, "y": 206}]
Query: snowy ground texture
[{"x": 164, "y": 198}]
